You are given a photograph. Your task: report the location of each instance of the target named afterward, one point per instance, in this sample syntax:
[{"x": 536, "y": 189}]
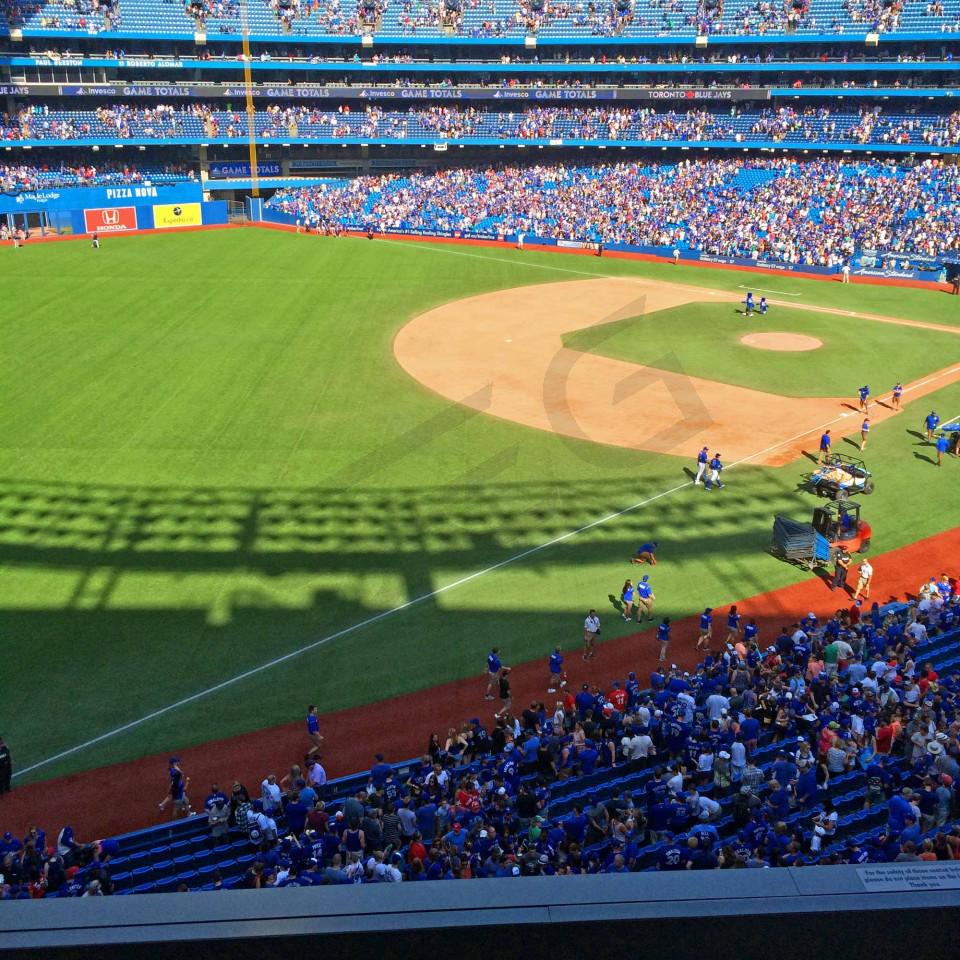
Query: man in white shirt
[
  {"x": 917, "y": 630},
  {"x": 689, "y": 705},
  {"x": 266, "y": 825},
  {"x": 638, "y": 746},
  {"x": 391, "y": 873},
  {"x": 675, "y": 783},
  {"x": 316, "y": 775},
  {"x": 716, "y": 704},
  {"x": 844, "y": 652},
  {"x": 270, "y": 794},
  {"x": 738, "y": 760},
  {"x": 703, "y": 808},
  {"x": 591, "y": 630}
]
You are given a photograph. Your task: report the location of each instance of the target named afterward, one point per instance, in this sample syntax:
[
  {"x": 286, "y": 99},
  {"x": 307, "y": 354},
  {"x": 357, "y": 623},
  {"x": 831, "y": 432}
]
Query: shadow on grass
[{"x": 923, "y": 456}]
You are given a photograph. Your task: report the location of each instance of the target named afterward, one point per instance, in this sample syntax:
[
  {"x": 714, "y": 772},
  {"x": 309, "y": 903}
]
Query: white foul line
[
  {"x": 782, "y": 293},
  {"x": 383, "y": 615}
]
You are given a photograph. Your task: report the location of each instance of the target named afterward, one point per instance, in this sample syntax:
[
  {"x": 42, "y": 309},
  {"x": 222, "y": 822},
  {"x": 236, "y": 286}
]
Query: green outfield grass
[
  {"x": 703, "y": 340},
  {"x": 209, "y": 459}
]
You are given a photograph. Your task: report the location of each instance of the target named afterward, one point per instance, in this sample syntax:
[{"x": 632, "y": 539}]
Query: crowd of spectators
[
  {"x": 205, "y": 10},
  {"x": 89, "y": 16},
  {"x": 16, "y": 177},
  {"x": 731, "y": 765},
  {"x": 817, "y": 212},
  {"x": 808, "y": 125},
  {"x": 496, "y": 18}
]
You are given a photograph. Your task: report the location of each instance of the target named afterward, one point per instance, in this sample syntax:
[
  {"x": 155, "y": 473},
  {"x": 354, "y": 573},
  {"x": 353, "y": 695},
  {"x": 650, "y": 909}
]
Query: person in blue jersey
[
  {"x": 706, "y": 629},
  {"x": 716, "y": 466},
  {"x": 864, "y": 433},
  {"x": 646, "y": 553},
  {"x": 943, "y": 446},
  {"x": 493, "y": 671},
  {"x": 748, "y": 304},
  {"x": 177, "y": 791},
  {"x": 931, "y": 422},
  {"x": 763, "y": 306},
  {"x": 313, "y": 731},
  {"x": 864, "y": 394},
  {"x": 733, "y": 625},
  {"x": 751, "y": 633},
  {"x": 896, "y": 394},
  {"x": 645, "y": 598},
  {"x": 663, "y": 638},
  {"x": 557, "y": 679},
  {"x": 703, "y": 458},
  {"x": 627, "y": 594},
  {"x": 823, "y": 454},
  {"x": 673, "y": 856}
]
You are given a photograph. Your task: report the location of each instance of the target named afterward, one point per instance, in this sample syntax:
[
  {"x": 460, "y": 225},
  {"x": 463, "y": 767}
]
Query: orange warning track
[{"x": 503, "y": 353}]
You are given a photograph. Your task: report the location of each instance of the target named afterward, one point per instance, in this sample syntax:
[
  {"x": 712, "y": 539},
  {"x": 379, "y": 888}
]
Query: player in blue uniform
[
  {"x": 864, "y": 393},
  {"x": 748, "y": 303},
  {"x": 763, "y": 306},
  {"x": 703, "y": 457},
  {"x": 733, "y": 625},
  {"x": 313, "y": 730},
  {"x": 714, "y": 477},
  {"x": 557, "y": 679},
  {"x": 646, "y": 553},
  {"x": 824, "y": 452},
  {"x": 645, "y": 598},
  {"x": 897, "y": 393},
  {"x": 493, "y": 671},
  {"x": 706, "y": 629},
  {"x": 864, "y": 431},
  {"x": 626, "y": 598},
  {"x": 750, "y": 632},
  {"x": 663, "y": 636},
  {"x": 177, "y": 793},
  {"x": 931, "y": 421}
]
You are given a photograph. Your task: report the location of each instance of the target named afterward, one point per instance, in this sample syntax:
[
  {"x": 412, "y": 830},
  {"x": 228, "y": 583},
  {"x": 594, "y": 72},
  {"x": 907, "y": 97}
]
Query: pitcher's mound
[{"x": 780, "y": 341}]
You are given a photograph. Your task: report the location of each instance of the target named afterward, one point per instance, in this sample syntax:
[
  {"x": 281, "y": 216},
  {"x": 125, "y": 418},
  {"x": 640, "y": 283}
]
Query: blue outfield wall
[
  {"x": 213, "y": 213},
  {"x": 863, "y": 266},
  {"x": 78, "y": 198}
]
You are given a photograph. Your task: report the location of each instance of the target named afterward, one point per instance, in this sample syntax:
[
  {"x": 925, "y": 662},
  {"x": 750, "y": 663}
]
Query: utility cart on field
[
  {"x": 816, "y": 543},
  {"x": 841, "y": 477}
]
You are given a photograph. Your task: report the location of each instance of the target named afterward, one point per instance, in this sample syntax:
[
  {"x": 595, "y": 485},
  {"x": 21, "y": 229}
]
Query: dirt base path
[
  {"x": 123, "y": 797},
  {"x": 503, "y": 353}
]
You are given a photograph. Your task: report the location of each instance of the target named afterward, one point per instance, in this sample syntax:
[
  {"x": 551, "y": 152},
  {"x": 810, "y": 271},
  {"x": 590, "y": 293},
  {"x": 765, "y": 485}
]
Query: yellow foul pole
[{"x": 251, "y": 111}]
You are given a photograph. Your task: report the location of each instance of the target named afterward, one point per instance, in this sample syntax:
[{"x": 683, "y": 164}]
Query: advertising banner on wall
[
  {"x": 226, "y": 170},
  {"x": 110, "y": 219},
  {"x": 177, "y": 215}
]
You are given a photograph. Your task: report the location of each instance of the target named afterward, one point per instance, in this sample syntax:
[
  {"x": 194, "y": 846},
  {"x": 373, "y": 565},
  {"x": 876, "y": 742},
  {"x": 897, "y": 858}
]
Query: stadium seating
[
  {"x": 782, "y": 126},
  {"x": 764, "y": 210},
  {"x": 183, "y": 854},
  {"x": 492, "y": 18},
  {"x": 17, "y": 177}
]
